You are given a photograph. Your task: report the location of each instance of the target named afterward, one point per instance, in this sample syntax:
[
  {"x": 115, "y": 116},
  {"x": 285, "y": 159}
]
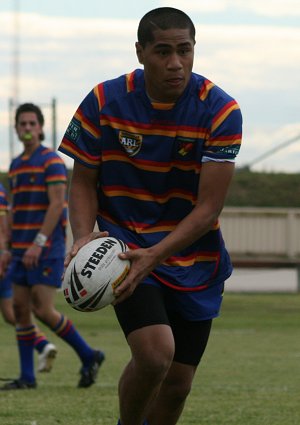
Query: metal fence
[{"x": 259, "y": 232}]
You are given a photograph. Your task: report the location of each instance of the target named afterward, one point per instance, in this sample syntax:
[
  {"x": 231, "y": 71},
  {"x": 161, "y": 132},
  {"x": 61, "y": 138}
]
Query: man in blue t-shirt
[
  {"x": 38, "y": 186},
  {"x": 46, "y": 350},
  {"x": 154, "y": 154},
  {"x": 4, "y": 232}
]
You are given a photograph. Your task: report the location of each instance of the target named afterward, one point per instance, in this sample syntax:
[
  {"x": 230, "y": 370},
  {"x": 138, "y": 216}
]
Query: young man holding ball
[{"x": 154, "y": 154}]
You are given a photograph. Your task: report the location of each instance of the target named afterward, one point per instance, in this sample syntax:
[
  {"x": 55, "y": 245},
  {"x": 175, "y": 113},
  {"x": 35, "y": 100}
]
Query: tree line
[{"x": 253, "y": 189}]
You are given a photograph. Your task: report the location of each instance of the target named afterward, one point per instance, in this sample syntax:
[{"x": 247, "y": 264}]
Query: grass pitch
[{"x": 249, "y": 374}]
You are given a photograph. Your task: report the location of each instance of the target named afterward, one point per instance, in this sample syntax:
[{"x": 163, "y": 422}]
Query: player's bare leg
[
  {"x": 169, "y": 403},
  {"x": 152, "y": 350},
  {"x": 6, "y": 307},
  {"x": 43, "y": 304}
]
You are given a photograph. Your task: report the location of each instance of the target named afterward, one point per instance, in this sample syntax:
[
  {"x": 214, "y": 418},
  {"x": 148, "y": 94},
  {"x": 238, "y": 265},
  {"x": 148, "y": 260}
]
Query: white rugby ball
[{"x": 94, "y": 273}]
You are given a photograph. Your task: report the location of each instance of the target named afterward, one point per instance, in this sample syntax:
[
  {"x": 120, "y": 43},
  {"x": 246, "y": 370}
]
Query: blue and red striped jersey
[
  {"x": 29, "y": 181},
  {"x": 150, "y": 157},
  {"x": 3, "y": 200}
]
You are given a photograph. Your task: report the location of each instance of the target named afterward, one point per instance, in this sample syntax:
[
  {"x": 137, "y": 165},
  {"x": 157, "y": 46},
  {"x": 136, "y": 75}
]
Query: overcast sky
[{"x": 249, "y": 48}]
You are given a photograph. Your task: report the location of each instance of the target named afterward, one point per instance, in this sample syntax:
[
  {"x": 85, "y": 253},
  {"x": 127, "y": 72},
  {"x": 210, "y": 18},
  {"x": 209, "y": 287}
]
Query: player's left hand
[
  {"x": 143, "y": 261},
  {"x": 31, "y": 256},
  {"x": 5, "y": 259}
]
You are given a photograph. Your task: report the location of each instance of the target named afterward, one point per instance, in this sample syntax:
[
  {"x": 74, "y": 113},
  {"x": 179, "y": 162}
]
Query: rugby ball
[{"x": 93, "y": 274}]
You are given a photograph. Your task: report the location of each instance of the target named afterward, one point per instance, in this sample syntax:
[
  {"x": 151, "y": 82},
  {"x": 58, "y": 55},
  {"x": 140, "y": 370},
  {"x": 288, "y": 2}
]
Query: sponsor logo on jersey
[
  {"x": 32, "y": 179},
  {"x": 73, "y": 130},
  {"x": 230, "y": 150},
  {"x": 185, "y": 145},
  {"x": 47, "y": 271},
  {"x": 131, "y": 142}
]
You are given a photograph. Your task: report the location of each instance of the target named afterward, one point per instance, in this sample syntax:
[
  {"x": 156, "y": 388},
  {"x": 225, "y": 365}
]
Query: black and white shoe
[{"x": 89, "y": 374}]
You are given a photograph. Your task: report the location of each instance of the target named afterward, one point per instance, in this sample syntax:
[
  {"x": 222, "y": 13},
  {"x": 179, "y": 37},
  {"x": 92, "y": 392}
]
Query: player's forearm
[
  {"x": 213, "y": 187},
  {"x": 4, "y": 239},
  {"x": 56, "y": 196},
  {"x": 189, "y": 230},
  {"x": 83, "y": 207},
  {"x": 83, "y": 200},
  {"x": 51, "y": 219}
]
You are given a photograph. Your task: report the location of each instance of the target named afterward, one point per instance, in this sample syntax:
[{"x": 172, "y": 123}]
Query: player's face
[
  {"x": 168, "y": 63},
  {"x": 28, "y": 128}
]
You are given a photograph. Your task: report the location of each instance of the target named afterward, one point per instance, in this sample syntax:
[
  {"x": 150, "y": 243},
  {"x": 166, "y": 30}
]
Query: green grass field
[{"x": 249, "y": 374}]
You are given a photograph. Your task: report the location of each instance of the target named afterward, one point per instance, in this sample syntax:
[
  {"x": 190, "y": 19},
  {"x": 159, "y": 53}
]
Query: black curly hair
[{"x": 163, "y": 18}]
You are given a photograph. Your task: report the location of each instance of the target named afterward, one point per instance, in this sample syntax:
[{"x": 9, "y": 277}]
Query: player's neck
[{"x": 30, "y": 147}]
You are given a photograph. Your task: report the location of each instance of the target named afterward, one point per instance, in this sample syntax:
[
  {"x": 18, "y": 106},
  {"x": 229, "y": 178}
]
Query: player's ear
[{"x": 139, "y": 52}]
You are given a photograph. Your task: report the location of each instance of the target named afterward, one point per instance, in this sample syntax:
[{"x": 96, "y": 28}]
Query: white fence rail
[
  {"x": 259, "y": 232},
  {"x": 263, "y": 237}
]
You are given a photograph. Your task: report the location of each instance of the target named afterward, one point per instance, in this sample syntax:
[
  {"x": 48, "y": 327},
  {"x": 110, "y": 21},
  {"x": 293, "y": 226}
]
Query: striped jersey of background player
[
  {"x": 46, "y": 350},
  {"x": 4, "y": 232},
  {"x": 39, "y": 215},
  {"x": 154, "y": 153}
]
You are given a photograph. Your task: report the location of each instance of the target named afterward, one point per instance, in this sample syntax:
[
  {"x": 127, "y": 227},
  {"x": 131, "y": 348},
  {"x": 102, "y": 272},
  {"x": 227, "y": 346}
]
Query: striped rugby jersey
[
  {"x": 150, "y": 157},
  {"x": 3, "y": 200},
  {"x": 29, "y": 179}
]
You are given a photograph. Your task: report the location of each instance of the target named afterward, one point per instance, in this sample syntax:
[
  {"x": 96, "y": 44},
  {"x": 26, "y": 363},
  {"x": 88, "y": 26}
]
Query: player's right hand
[
  {"x": 5, "y": 259},
  {"x": 79, "y": 243}
]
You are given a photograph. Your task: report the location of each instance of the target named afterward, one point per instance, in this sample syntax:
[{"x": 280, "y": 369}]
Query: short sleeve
[{"x": 81, "y": 140}]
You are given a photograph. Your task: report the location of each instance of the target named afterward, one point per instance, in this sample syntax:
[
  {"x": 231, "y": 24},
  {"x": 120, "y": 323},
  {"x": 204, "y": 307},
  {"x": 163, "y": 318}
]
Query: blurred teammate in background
[
  {"x": 39, "y": 215},
  {"x": 154, "y": 154},
  {"x": 46, "y": 350},
  {"x": 5, "y": 255}
]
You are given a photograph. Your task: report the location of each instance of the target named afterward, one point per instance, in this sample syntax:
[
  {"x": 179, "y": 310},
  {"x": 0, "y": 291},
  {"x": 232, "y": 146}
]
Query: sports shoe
[
  {"x": 18, "y": 384},
  {"x": 46, "y": 358},
  {"x": 89, "y": 374}
]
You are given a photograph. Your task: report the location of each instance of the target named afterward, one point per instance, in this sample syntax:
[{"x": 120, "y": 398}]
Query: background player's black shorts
[{"x": 147, "y": 306}]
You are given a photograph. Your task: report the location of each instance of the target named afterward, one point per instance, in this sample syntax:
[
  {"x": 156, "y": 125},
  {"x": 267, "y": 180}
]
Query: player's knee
[
  {"x": 8, "y": 314},
  {"x": 177, "y": 391},
  {"x": 40, "y": 310},
  {"x": 40, "y": 313},
  {"x": 9, "y": 319},
  {"x": 155, "y": 361},
  {"x": 160, "y": 362}
]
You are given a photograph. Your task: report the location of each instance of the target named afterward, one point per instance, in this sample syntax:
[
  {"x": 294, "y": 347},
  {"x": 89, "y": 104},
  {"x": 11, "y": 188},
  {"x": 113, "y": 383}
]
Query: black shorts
[{"x": 147, "y": 306}]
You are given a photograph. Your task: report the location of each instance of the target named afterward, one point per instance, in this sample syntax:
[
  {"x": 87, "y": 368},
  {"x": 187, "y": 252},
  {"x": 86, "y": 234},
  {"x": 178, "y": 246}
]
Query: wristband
[{"x": 40, "y": 240}]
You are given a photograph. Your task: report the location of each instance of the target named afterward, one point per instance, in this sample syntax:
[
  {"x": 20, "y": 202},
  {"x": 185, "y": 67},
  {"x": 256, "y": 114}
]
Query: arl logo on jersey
[
  {"x": 131, "y": 142},
  {"x": 185, "y": 145}
]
